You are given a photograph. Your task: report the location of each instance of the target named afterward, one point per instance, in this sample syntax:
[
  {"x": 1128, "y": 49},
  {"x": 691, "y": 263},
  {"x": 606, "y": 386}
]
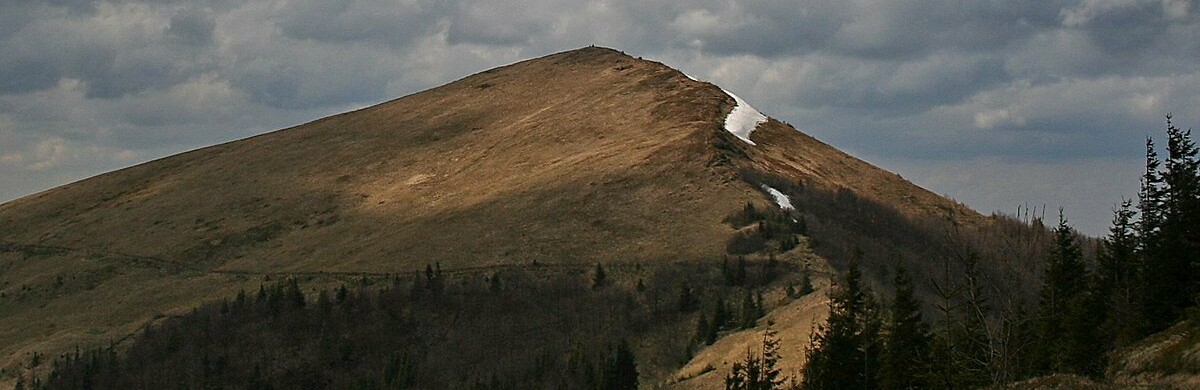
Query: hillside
[
  {"x": 1165, "y": 360},
  {"x": 561, "y": 162}
]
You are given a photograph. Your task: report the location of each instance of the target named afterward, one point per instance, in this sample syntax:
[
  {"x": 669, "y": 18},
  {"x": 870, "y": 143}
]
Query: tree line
[
  {"x": 1145, "y": 276},
  {"x": 607, "y": 329}
]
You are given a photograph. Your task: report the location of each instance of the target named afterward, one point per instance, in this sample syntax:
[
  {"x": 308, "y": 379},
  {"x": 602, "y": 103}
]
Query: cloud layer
[{"x": 1033, "y": 101}]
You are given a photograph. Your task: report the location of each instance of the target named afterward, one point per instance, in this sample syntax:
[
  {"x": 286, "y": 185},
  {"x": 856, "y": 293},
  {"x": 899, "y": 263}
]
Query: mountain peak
[{"x": 581, "y": 157}]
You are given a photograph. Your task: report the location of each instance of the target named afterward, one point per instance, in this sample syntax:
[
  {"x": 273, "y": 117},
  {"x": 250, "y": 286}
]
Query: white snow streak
[
  {"x": 780, "y": 198},
  {"x": 743, "y": 119}
]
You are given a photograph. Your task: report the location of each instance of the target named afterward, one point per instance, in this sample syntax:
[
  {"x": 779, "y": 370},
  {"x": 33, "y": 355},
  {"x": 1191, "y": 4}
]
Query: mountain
[{"x": 555, "y": 164}]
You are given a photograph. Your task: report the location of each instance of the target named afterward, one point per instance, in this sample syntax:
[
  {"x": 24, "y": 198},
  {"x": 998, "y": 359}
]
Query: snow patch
[
  {"x": 743, "y": 119},
  {"x": 781, "y": 199}
]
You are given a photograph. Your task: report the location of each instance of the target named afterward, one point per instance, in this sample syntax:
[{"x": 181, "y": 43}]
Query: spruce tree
[
  {"x": 293, "y": 295},
  {"x": 704, "y": 332},
  {"x": 619, "y": 371},
  {"x": 1157, "y": 274},
  {"x": 748, "y": 314},
  {"x": 599, "y": 277},
  {"x": 806, "y": 286},
  {"x": 844, "y": 352},
  {"x": 908, "y": 340},
  {"x": 1180, "y": 234},
  {"x": 495, "y": 284},
  {"x": 1150, "y": 199},
  {"x": 720, "y": 316},
  {"x": 1062, "y": 304},
  {"x": 687, "y": 299},
  {"x": 739, "y": 273},
  {"x": 1119, "y": 271},
  {"x": 758, "y": 371},
  {"x": 1170, "y": 229},
  {"x": 973, "y": 354},
  {"x": 760, "y": 310}
]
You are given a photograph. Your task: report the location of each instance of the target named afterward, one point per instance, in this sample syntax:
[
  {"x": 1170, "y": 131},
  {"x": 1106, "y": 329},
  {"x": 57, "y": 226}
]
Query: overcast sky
[{"x": 993, "y": 103}]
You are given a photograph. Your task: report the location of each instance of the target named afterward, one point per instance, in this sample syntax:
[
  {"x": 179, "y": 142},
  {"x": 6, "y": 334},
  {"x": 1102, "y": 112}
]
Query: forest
[
  {"x": 521, "y": 328},
  {"x": 1142, "y": 279}
]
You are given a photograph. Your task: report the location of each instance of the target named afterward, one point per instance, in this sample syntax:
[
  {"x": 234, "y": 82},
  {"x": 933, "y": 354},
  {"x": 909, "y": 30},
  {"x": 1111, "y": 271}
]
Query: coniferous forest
[
  {"x": 1143, "y": 279},
  {"x": 429, "y": 330}
]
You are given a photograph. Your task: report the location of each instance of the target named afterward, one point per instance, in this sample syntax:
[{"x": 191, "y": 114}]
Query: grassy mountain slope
[{"x": 582, "y": 157}]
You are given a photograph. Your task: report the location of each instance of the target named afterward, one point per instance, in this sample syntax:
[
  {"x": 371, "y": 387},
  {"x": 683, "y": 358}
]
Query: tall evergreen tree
[
  {"x": 599, "y": 277},
  {"x": 705, "y": 334},
  {"x": 908, "y": 339},
  {"x": 1180, "y": 235},
  {"x": 844, "y": 353},
  {"x": 806, "y": 286},
  {"x": 620, "y": 369},
  {"x": 1119, "y": 271},
  {"x": 759, "y": 371},
  {"x": 687, "y": 298},
  {"x": 1157, "y": 275},
  {"x": 1170, "y": 230},
  {"x": 1150, "y": 198},
  {"x": 1064, "y": 305},
  {"x": 720, "y": 318},
  {"x": 974, "y": 352},
  {"x": 748, "y": 313}
]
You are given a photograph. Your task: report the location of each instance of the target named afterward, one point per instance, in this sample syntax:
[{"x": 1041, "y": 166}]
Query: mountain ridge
[{"x": 583, "y": 157}]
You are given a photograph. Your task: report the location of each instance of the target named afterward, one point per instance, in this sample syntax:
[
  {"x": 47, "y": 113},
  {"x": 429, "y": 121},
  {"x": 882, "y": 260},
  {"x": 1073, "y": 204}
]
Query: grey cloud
[
  {"x": 889, "y": 87},
  {"x": 18, "y": 75},
  {"x": 192, "y": 26},
  {"x": 346, "y": 21},
  {"x": 120, "y": 77},
  {"x": 1126, "y": 29},
  {"x": 1070, "y": 119},
  {"x": 304, "y": 76},
  {"x": 15, "y": 16},
  {"x": 1158, "y": 36},
  {"x": 499, "y": 23},
  {"x": 870, "y": 29}
]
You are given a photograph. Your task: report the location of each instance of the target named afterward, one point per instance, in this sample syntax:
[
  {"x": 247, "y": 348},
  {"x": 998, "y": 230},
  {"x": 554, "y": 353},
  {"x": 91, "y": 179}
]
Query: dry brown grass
[
  {"x": 582, "y": 157},
  {"x": 793, "y": 320},
  {"x": 1169, "y": 360}
]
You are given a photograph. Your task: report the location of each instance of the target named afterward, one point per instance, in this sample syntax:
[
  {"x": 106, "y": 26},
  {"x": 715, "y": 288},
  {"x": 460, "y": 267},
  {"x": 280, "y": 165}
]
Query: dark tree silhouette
[
  {"x": 759, "y": 371},
  {"x": 906, "y": 354},
  {"x": 845, "y": 351}
]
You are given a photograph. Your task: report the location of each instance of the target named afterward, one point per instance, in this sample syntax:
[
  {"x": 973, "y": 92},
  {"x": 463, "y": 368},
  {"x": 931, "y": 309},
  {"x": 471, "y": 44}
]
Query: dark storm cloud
[
  {"x": 496, "y": 23},
  {"x": 192, "y": 26},
  {"x": 18, "y": 75},
  {"x": 1022, "y": 83},
  {"x": 888, "y": 88},
  {"x": 1137, "y": 37},
  {"x": 354, "y": 21},
  {"x": 866, "y": 29},
  {"x": 294, "y": 85}
]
